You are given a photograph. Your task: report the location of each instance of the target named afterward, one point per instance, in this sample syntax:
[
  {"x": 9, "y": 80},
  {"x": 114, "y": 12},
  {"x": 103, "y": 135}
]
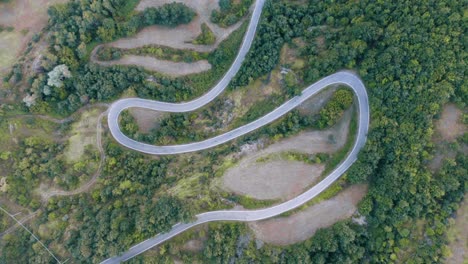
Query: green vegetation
[
  {"x": 106, "y": 53},
  {"x": 38, "y": 159},
  {"x": 178, "y": 128},
  {"x": 76, "y": 27},
  {"x": 251, "y": 203},
  {"x": 207, "y": 37},
  {"x": 339, "y": 156},
  {"x": 340, "y": 101},
  {"x": 230, "y": 12},
  {"x": 8, "y": 29},
  {"x": 296, "y": 156}
]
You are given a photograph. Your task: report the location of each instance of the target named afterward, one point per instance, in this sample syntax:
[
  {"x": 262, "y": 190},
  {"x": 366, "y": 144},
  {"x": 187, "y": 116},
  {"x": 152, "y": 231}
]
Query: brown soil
[
  {"x": 458, "y": 236},
  {"x": 303, "y": 225},
  {"x": 83, "y": 134},
  {"x": 146, "y": 119},
  {"x": 272, "y": 180},
  {"x": 170, "y": 68},
  {"x": 450, "y": 126},
  {"x": 284, "y": 179},
  {"x": 28, "y": 15}
]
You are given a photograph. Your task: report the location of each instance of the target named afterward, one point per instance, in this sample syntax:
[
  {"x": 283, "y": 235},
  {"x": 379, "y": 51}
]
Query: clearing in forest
[
  {"x": 448, "y": 128},
  {"x": 450, "y": 125},
  {"x": 83, "y": 134},
  {"x": 458, "y": 235}
]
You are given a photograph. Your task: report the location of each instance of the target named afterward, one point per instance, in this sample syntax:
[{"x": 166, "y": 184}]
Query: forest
[
  {"x": 411, "y": 58},
  {"x": 230, "y": 12}
]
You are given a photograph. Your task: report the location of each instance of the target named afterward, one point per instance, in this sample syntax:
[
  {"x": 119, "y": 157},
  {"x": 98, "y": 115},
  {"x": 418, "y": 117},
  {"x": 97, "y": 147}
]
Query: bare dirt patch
[
  {"x": 29, "y": 16},
  {"x": 83, "y": 134},
  {"x": 450, "y": 126},
  {"x": 458, "y": 236},
  {"x": 10, "y": 44},
  {"x": 290, "y": 55},
  {"x": 276, "y": 179},
  {"x": 193, "y": 245},
  {"x": 284, "y": 179},
  {"x": 302, "y": 225},
  {"x": 146, "y": 119},
  {"x": 174, "y": 69}
]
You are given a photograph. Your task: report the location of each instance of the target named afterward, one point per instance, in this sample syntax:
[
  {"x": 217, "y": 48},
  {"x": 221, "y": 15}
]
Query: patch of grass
[
  {"x": 129, "y": 9},
  {"x": 230, "y": 12},
  {"x": 160, "y": 52},
  {"x": 189, "y": 187},
  {"x": 206, "y": 37},
  {"x": 23, "y": 127},
  {"x": 251, "y": 203},
  {"x": 11, "y": 41},
  {"x": 83, "y": 134},
  {"x": 259, "y": 109},
  {"x": 296, "y": 156}
]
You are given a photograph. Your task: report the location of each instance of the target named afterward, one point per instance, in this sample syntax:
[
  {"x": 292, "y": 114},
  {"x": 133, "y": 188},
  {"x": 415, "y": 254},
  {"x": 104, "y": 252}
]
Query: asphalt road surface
[{"x": 347, "y": 78}]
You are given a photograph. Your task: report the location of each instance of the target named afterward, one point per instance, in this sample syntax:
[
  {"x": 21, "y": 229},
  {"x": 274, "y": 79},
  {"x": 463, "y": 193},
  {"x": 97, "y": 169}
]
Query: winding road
[{"x": 343, "y": 77}]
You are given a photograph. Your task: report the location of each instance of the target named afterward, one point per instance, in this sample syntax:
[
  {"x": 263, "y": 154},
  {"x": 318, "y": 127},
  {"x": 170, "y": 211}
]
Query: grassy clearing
[
  {"x": 9, "y": 46},
  {"x": 189, "y": 187},
  {"x": 14, "y": 128},
  {"x": 206, "y": 37},
  {"x": 83, "y": 134}
]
